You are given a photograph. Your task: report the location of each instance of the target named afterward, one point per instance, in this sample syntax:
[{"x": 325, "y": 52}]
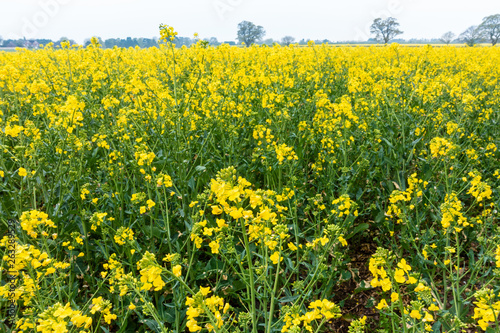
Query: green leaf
[
  {"x": 346, "y": 275},
  {"x": 170, "y": 315},
  {"x": 288, "y": 299},
  {"x": 153, "y": 325},
  {"x": 360, "y": 228},
  {"x": 436, "y": 327},
  {"x": 192, "y": 183},
  {"x": 388, "y": 143},
  {"x": 200, "y": 168}
]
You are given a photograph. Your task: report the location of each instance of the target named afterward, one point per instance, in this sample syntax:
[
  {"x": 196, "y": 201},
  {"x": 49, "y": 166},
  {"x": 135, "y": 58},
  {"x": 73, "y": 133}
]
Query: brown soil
[{"x": 355, "y": 300}]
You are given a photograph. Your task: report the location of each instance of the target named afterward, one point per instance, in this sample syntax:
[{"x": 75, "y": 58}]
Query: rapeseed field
[{"x": 232, "y": 189}]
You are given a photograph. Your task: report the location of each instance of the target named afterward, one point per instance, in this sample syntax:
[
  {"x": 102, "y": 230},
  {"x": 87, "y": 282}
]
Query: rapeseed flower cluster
[
  {"x": 321, "y": 310},
  {"x": 497, "y": 256},
  {"x": 487, "y": 310},
  {"x": 394, "y": 280},
  {"x": 123, "y": 235},
  {"x": 344, "y": 206},
  {"x": 167, "y": 33},
  {"x": 440, "y": 147},
  {"x": 384, "y": 276},
  {"x": 57, "y": 319},
  {"x": 97, "y": 219},
  {"x": 213, "y": 308},
  {"x": 261, "y": 217},
  {"x": 413, "y": 192},
  {"x": 34, "y": 221},
  {"x": 103, "y": 306},
  {"x": 150, "y": 272},
  {"x": 265, "y": 143},
  {"x": 479, "y": 190},
  {"x": 30, "y": 266},
  {"x": 115, "y": 273},
  {"x": 451, "y": 213}
]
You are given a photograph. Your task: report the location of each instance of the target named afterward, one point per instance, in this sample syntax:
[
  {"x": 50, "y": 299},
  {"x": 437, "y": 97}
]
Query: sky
[{"x": 335, "y": 20}]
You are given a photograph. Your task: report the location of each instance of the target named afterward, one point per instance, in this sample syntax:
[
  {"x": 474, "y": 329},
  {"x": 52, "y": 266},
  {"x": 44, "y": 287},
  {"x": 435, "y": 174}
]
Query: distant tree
[
  {"x": 111, "y": 42},
  {"x": 44, "y": 41},
  {"x": 287, "y": 40},
  {"x": 181, "y": 41},
  {"x": 471, "y": 36},
  {"x": 447, "y": 38},
  {"x": 490, "y": 28},
  {"x": 213, "y": 41},
  {"x": 149, "y": 42},
  {"x": 250, "y": 33},
  {"x": 385, "y": 30},
  {"x": 129, "y": 42},
  {"x": 13, "y": 43},
  {"x": 268, "y": 41}
]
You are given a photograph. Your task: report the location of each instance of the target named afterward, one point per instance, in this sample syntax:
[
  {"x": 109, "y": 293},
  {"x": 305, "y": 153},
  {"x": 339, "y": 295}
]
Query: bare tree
[
  {"x": 490, "y": 28},
  {"x": 287, "y": 40},
  {"x": 471, "y": 36},
  {"x": 385, "y": 30},
  {"x": 447, "y": 38},
  {"x": 250, "y": 33}
]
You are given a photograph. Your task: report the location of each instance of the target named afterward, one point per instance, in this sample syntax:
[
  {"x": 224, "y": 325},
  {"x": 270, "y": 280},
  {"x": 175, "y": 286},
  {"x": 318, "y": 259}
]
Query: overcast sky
[{"x": 336, "y": 20}]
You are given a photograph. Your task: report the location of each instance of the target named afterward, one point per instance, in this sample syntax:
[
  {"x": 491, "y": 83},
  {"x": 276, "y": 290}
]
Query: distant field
[{"x": 260, "y": 189}]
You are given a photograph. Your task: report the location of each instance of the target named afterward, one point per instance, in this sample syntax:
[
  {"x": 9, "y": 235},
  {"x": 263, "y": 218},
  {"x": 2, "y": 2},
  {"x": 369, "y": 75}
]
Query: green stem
[
  {"x": 250, "y": 269},
  {"x": 275, "y": 287}
]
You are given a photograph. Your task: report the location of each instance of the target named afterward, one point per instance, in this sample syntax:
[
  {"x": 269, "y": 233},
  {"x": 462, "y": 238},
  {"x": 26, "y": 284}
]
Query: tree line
[
  {"x": 382, "y": 30},
  {"x": 385, "y": 30},
  {"x": 107, "y": 43}
]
